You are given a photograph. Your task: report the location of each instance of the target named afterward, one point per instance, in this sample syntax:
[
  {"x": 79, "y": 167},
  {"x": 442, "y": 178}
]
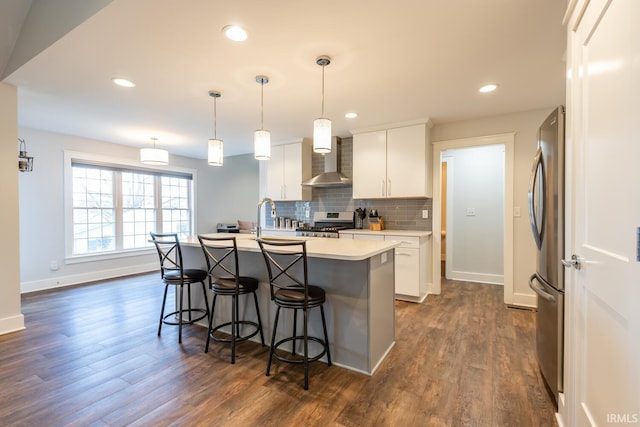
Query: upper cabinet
[
  {"x": 282, "y": 175},
  {"x": 392, "y": 163}
]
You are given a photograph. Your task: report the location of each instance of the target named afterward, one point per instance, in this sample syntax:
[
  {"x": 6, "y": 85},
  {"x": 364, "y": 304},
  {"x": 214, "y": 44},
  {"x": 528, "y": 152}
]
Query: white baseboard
[
  {"x": 433, "y": 289},
  {"x": 75, "y": 279},
  {"x": 466, "y": 276},
  {"x": 524, "y": 300},
  {"x": 11, "y": 324}
]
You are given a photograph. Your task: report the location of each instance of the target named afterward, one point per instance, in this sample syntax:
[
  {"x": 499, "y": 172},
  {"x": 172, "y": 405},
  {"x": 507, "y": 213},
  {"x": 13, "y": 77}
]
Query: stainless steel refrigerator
[{"x": 546, "y": 214}]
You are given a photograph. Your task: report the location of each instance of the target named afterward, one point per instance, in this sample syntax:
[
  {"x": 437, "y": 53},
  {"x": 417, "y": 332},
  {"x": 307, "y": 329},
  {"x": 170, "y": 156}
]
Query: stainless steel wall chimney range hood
[{"x": 331, "y": 177}]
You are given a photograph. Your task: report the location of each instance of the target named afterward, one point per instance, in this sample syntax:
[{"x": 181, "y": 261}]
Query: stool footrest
[
  {"x": 185, "y": 315},
  {"x": 299, "y": 361},
  {"x": 238, "y": 337}
]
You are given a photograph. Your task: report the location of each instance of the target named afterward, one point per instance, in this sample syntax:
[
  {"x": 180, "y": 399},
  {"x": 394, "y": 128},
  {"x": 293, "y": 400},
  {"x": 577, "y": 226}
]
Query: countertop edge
[{"x": 366, "y": 250}]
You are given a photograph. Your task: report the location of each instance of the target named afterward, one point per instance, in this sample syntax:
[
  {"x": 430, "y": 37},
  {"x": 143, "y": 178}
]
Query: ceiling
[{"x": 392, "y": 61}]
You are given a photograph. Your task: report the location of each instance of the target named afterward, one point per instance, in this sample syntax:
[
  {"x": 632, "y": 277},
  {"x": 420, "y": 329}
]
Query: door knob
[{"x": 573, "y": 262}]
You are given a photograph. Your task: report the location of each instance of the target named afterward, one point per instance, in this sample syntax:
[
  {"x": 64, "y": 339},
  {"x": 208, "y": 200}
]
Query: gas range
[{"x": 327, "y": 224}]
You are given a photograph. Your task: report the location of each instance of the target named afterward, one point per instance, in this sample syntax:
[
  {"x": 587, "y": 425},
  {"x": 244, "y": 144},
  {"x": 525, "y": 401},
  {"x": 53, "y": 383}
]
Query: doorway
[
  {"x": 473, "y": 213},
  {"x": 508, "y": 141}
]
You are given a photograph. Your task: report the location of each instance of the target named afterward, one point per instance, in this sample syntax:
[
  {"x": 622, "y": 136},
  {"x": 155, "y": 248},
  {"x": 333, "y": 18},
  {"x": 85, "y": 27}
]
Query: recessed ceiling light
[
  {"x": 488, "y": 88},
  {"x": 235, "y": 33},
  {"x": 123, "y": 82},
  {"x": 351, "y": 115}
]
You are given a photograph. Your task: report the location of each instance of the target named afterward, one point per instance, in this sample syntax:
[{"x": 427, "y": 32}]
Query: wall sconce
[{"x": 25, "y": 163}]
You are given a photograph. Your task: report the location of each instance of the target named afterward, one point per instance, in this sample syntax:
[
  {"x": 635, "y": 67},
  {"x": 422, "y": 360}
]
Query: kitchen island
[{"x": 358, "y": 278}]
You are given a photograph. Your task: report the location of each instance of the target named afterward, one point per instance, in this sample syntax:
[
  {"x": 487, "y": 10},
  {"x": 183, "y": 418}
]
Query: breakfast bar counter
[{"x": 358, "y": 278}]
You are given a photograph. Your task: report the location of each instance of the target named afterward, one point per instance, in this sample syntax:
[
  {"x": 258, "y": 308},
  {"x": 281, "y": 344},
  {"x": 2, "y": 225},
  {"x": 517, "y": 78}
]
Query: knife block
[{"x": 376, "y": 223}]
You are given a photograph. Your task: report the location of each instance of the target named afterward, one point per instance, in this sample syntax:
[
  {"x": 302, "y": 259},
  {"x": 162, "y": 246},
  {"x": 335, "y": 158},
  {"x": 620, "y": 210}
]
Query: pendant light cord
[
  {"x": 322, "y": 115},
  {"x": 215, "y": 116},
  {"x": 262, "y": 105}
]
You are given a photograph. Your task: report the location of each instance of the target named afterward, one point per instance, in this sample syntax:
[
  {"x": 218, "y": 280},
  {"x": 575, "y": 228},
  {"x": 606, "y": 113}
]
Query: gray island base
[{"x": 358, "y": 277}]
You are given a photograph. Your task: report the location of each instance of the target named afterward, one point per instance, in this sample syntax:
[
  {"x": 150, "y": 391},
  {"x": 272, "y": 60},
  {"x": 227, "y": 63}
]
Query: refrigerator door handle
[
  {"x": 538, "y": 166},
  {"x": 538, "y": 289}
]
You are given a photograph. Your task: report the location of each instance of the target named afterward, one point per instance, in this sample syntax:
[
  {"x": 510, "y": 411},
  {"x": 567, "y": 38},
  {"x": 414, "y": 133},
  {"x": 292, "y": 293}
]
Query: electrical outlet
[
  {"x": 54, "y": 265},
  {"x": 516, "y": 211},
  {"x": 425, "y": 213},
  {"x": 383, "y": 259}
]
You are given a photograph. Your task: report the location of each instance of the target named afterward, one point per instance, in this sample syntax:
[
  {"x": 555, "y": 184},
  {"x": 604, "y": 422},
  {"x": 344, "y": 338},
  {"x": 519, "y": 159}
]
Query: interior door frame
[{"x": 508, "y": 140}]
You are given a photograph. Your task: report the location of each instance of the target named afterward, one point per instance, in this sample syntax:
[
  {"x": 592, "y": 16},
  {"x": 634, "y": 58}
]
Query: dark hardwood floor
[{"x": 90, "y": 356}]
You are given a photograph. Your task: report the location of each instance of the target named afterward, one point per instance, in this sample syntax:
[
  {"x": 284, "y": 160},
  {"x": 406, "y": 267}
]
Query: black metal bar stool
[
  {"x": 174, "y": 274},
  {"x": 221, "y": 254},
  {"x": 287, "y": 267}
]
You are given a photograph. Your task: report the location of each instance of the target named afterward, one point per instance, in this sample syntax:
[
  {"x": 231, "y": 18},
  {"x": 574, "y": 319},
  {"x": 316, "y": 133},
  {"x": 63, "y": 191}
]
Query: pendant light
[
  {"x": 322, "y": 125},
  {"x": 215, "y": 156},
  {"x": 261, "y": 137},
  {"x": 154, "y": 156}
]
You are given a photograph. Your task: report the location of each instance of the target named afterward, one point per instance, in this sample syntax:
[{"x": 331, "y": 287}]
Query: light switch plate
[
  {"x": 471, "y": 211},
  {"x": 425, "y": 213}
]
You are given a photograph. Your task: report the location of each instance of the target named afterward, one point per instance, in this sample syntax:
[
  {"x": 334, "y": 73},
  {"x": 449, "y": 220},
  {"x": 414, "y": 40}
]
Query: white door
[{"x": 603, "y": 323}]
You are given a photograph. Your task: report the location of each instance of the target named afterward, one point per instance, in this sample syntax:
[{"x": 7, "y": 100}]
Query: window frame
[{"x": 124, "y": 164}]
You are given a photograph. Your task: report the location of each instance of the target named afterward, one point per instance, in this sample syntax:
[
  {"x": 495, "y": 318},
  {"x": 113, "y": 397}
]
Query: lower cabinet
[
  {"x": 412, "y": 259},
  {"x": 407, "y": 272}
]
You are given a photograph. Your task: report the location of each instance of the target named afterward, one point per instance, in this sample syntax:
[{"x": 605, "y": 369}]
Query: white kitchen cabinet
[
  {"x": 412, "y": 260},
  {"x": 392, "y": 163},
  {"x": 368, "y": 236},
  {"x": 407, "y": 274},
  {"x": 370, "y": 165},
  {"x": 283, "y": 174}
]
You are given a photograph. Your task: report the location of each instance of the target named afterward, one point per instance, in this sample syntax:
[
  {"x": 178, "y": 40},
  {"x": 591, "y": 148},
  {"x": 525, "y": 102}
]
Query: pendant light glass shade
[
  {"x": 322, "y": 126},
  {"x": 154, "y": 156},
  {"x": 322, "y": 136},
  {"x": 215, "y": 152},
  {"x": 215, "y": 155},
  {"x": 262, "y": 144},
  {"x": 261, "y": 137}
]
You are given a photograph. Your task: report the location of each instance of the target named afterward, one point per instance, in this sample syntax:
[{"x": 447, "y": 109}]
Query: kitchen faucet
[{"x": 273, "y": 214}]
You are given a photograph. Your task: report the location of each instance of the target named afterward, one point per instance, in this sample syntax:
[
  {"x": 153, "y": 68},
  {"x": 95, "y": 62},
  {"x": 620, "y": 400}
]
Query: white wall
[
  {"x": 11, "y": 318},
  {"x": 475, "y": 177},
  {"x": 223, "y": 194},
  {"x": 525, "y": 125}
]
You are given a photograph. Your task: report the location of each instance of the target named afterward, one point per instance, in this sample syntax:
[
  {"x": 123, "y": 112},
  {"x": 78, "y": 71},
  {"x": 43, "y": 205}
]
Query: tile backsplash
[{"x": 398, "y": 214}]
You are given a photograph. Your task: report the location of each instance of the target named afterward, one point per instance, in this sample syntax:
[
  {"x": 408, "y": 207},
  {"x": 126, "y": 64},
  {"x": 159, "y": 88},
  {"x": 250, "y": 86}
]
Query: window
[{"x": 114, "y": 207}]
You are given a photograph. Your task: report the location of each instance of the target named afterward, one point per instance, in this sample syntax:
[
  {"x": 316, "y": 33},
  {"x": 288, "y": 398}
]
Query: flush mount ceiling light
[
  {"x": 123, "y": 82},
  {"x": 215, "y": 156},
  {"x": 154, "y": 156},
  {"x": 235, "y": 33},
  {"x": 322, "y": 125},
  {"x": 261, "y": 137},
  {"x": 488, "y": 88},
  {"x": 351, "y": 115}
]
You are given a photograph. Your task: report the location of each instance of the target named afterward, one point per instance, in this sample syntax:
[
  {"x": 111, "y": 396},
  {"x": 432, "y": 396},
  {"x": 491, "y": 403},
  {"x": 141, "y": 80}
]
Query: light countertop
[
  {"x": 407, "y": 233},
  {"x": 339, "y": 249}
]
